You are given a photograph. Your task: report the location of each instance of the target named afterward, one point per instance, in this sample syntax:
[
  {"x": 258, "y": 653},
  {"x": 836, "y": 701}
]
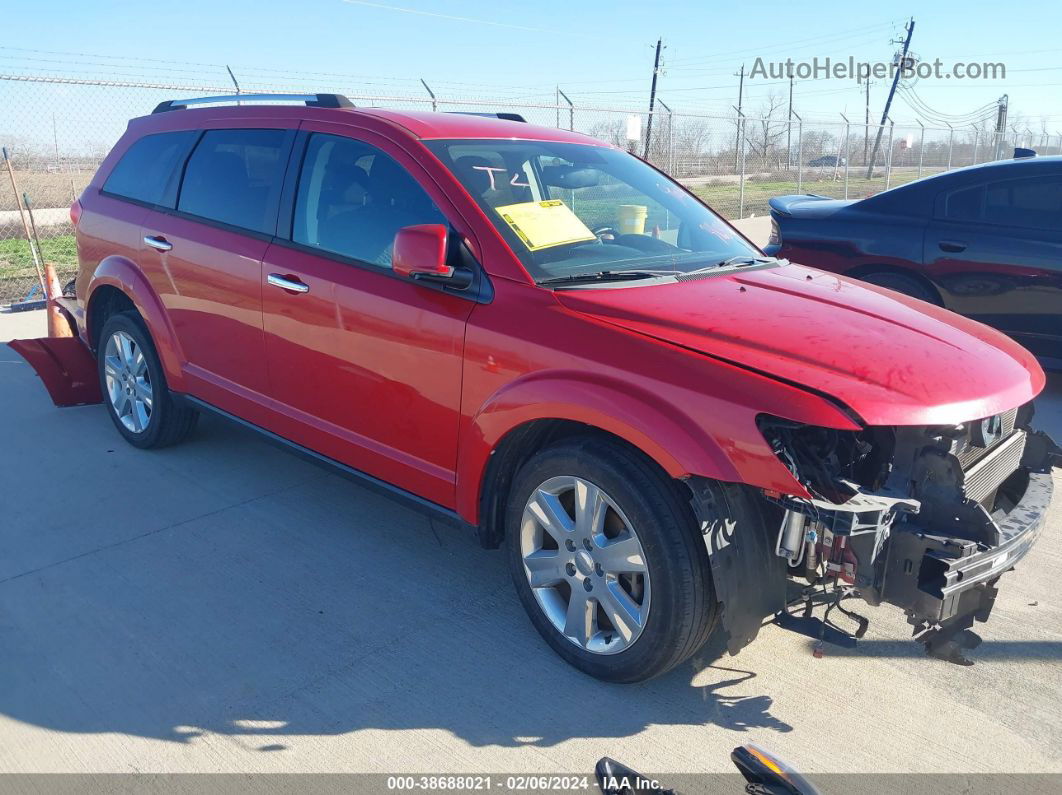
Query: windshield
[{"x": 569, "y": 210}]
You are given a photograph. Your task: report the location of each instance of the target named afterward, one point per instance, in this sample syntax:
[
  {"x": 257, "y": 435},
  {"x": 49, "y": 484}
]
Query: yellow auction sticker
[{"x": 545, "y": 224}]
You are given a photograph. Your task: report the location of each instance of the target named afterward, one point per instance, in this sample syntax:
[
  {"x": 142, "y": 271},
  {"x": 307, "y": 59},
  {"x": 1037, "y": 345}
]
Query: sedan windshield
[{"x": 577, "y": 211}]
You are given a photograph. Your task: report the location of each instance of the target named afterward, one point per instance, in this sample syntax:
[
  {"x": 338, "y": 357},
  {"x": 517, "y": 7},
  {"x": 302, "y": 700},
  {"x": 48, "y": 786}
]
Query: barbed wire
[{"x": 59, "y": 126}]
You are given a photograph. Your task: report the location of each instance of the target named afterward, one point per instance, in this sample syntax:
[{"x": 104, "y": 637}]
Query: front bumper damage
[
  {"x": 926, "y": 519},
  {"x": 66, "y": 367},
  {"x": 939, "y": 553},
  {"x": 945, "y": 583}
]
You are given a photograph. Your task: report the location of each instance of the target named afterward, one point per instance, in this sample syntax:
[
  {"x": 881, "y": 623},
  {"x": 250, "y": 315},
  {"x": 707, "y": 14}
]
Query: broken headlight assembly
[
  {"x": 829, "y": 463},
  {"x": 925, "y": 518},
  {"x": 841, "y": 529}
]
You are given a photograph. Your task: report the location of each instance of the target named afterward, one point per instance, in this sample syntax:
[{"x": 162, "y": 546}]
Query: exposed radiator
[
  {"x": 968, "y": 453},
  {"x": 984, "y": 477}
]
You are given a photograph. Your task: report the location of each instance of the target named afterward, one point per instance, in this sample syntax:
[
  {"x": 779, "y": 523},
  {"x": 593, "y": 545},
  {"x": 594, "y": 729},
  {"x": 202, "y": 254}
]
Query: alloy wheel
[
  {"x": 585, "y": 565},
  {"x": 128, "y": 381}
]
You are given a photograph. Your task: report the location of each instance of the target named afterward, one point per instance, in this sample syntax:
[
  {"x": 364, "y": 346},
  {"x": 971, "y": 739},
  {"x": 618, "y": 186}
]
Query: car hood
[{"x": 891, "y": 359}]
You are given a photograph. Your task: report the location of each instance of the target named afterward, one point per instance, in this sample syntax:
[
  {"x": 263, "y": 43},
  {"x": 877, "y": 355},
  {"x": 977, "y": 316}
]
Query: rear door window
[
  {"x": 146, "y": 172},
  {"x": 965, "y": 204},
  {"x": 234, "y": 177}
]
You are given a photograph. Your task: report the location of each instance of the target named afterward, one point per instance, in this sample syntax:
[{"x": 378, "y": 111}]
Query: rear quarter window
[
  {"x": 1034, "y": 203},
  {"x": 145, "y": 173}
]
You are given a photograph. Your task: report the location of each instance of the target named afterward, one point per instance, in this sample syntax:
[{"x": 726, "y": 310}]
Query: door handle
[
  {"x": 158, "y": 242},
  {"x": 284, "y": 283},
  {"x": 953, "y": 246}
]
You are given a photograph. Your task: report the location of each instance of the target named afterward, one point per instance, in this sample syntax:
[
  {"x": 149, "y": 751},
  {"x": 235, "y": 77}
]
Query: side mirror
[{"x": 420, "y": 253}]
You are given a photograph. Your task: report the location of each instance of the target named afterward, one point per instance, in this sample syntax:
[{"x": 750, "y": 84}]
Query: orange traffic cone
[{"x": 58, "y": 326}]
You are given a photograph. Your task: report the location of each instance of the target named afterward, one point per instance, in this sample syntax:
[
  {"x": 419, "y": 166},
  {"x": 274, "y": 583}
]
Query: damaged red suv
[{"x": 547, "y": 340}]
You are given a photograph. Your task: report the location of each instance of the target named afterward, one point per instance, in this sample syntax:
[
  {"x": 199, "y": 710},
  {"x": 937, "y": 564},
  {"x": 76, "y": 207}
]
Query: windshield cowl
[{"x": 626, "y": 277}]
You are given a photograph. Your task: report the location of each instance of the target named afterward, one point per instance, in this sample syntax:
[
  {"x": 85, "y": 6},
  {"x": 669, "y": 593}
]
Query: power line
[
  {"x": 710, "y": 65},
  {"x": 787, "y": 43},
  {"x": 920, "y": 107},
  {"x": 115, "y": 57}
]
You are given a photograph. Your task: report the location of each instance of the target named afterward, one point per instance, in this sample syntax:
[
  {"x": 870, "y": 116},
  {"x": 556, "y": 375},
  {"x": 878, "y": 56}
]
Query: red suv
[{"x": 547, "y": 340}]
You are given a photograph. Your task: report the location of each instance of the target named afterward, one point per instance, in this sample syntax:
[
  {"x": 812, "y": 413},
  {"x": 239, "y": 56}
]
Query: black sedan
[{"x": 983, "y": 241}]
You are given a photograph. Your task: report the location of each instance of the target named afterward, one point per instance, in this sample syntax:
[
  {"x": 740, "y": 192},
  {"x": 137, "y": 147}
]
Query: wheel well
[
  {"x": 863, "y": 271},
  {"x": 106, "y": 301},
  {"x": 514, "y": 449}
]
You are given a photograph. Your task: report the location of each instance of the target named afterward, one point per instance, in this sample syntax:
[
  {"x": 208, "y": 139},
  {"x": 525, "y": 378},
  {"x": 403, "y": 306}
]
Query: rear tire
[
  {"x": 908, "y": 285},
  {"x": 134, "y": 387},
  {"x": 635, "y": 625}
]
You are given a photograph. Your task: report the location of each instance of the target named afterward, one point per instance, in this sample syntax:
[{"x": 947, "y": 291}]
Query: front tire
[
  {"x": 134, "y": 386},
  {"x": 607, "y": 560}
]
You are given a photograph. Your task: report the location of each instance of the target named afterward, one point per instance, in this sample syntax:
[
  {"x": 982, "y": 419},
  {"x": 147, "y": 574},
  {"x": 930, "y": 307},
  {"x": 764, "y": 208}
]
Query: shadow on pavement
[{"x": 317, "y": 608}]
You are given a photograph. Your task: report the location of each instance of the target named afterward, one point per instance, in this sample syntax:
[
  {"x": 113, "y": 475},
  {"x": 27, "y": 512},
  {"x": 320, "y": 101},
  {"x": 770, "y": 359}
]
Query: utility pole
[
  {"x": 1001, "y": 124},
  {"x": 652, "y": 97},
  {"x": 741, "y": 93},
  {"x": 892, "y": 93},
  {"x": 789, "y": 127}
]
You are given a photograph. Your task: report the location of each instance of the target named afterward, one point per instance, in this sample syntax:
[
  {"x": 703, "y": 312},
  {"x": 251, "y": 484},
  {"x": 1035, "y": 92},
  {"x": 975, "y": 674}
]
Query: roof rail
[
  {"x": 505, "y": 116},
  {"x": 312, "y": 100}
]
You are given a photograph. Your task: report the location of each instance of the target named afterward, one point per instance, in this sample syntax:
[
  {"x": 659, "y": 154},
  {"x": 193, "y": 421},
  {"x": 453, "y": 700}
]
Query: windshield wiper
[
  {"x": 606, "y": 276},
  {"x": 745, "y": 259},
  {"x": 741, "y": 260}
]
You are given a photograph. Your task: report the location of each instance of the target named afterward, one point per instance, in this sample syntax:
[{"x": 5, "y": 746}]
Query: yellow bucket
[{"x": 632, "y": 219}]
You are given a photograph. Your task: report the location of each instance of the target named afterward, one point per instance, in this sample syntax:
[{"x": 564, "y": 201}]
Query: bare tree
[
  {"x": 615, "y": 132},
  {"x": 765, "y": 132}
]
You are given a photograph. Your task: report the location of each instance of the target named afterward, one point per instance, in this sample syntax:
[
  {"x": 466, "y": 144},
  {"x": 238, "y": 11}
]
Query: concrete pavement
[
  {"x": 224, "y": 606},
  {"x": 756, "y": 228}
]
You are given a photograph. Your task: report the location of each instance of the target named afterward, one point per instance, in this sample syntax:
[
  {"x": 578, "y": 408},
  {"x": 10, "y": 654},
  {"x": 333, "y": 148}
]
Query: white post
[
  {"x": 847, "y": 135},
  {"x": 888, "y": 160},
  {"x": 741, "y": 162},
  {"x": 921, "y": 147}
]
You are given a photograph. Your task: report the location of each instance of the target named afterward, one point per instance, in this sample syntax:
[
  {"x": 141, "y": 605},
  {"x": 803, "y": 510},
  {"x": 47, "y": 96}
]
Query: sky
[{"x": 600, "y": 54}]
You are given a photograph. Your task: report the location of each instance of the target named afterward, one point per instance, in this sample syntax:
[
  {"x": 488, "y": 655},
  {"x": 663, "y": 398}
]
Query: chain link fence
[{"x": 57, "y": 131}]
